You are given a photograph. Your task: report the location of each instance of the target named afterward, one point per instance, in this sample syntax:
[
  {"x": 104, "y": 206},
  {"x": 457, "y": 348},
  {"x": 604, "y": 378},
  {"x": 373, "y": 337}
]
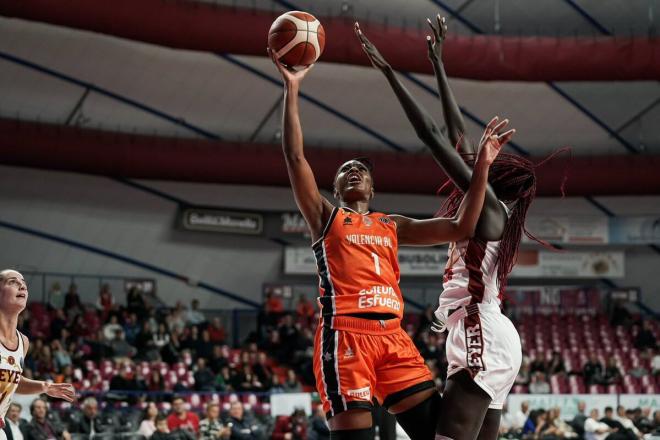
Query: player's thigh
[
  {"x": 351, "y": 419},
  {"x": 490, "y": 428},
  {"x": 463, "y": 408}
]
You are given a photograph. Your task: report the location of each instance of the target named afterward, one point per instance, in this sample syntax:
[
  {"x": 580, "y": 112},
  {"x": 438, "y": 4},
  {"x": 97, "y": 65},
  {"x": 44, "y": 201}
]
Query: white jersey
[
  {"x": 470, "y": 275},
  {"x": 11, "y": 371}
]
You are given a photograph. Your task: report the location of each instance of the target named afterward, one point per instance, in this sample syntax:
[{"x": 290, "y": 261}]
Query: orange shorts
[{"x": 357, "y": 360}]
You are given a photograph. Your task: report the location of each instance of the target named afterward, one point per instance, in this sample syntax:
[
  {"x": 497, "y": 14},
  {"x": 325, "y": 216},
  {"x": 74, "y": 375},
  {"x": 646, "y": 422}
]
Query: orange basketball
[{"x": 297, "y": 38}]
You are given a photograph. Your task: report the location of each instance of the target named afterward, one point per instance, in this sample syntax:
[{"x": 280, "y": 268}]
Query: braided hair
[{"x": 513, "y": 179}]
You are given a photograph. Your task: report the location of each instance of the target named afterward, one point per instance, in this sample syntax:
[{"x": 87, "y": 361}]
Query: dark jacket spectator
[
  {"x": 537, "y": 364},
  {"x": 42, "y": 427},
  {"x": 14, "y": 425},
  {"x": 241, "y": 427},
  {"x": 318, "y": 426},
  {"x": 593, "y": 371},
  {"x": 163, "y": 432},
  {"x": 612, "y": 372},
  {"x": 89, "y": 422},
  {"x": 645, "y": 337},
  {"x": 292, "y": 427},
  {"x": 204, "y": 377}
]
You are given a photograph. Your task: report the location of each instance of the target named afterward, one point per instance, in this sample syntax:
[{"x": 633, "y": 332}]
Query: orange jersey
[{"x": 358, "y": 265}]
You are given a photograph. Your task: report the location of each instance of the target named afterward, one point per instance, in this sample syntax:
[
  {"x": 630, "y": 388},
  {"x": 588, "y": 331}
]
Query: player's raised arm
[
  {"x": 463, "y": 224},
  {"x": 314, "y": 207},
  {"x": 493, "y": 219},
  {"x": 452, "y": 113}
]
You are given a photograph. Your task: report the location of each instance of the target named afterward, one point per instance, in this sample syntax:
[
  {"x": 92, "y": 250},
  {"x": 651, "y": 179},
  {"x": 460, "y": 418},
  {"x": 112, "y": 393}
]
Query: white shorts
[{"x": 487, "y": 345}]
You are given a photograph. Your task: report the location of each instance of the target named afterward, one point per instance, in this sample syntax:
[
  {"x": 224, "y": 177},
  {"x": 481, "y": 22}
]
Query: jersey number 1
[{"x": 376, "y": 263}]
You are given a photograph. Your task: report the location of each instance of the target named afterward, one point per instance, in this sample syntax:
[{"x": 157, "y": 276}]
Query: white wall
[{"x": 100, "y": 212}]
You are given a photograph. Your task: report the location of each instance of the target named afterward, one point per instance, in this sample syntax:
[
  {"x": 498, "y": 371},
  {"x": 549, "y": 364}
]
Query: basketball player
[
  {"x": 483, "y": 347},
  {"x": 361, "y": 351},
  {"x": 14, "y": 348}
]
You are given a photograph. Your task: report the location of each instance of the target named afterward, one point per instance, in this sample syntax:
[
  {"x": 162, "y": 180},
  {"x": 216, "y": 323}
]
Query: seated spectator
[
  {"x": 61, "y": 357},
  {"x": 176, "y": 320},
  {"x": 539, "y": 384},
  {"x": 135, "y": 302},
  {"x": 318, "y": 425},
  {"x": 507, "y": 422},
  {"x": 263, "y": 370},
  {"x": 40, "y": 427},
  {"x": 163, "y": 432},
  {"x": 211, "y": 428},
  {"x": 148, "y": 423},
  {"x": 241, "y": 427},
  {"x": 304, "y": 310},
  {"x": 155, "y": 382},
  {"x": 612, "y": 372},
  {"x": 550, "y": 429},
  {"x": 524, "y": 376},
  {"x": 534, "y": 423},
  {"x": 56, "y": 297},
  {"x": 217, "y": 331},
  {"x": 579, "y": 419},
  {"x": 14, "y": 425},
  {"x": 645, "y": 337},
  {"x": 593, "y": 429},
  {"x": 521, "y": 415},
  {"x": 538, "y": 364},
  {"x": 246, "y": 380},
  {"x": 181, "y": 418},
  {"x": 655, "y": 363},
  {"x": 219, "y": 358},
  {"x": 58, "y": 324},
  {"x": 292, "y": 384},
  {"x": 145, "y": 344},
  {"x": 72, "y": 303},
  {"x": 564, "y": 430},
  {"x": 292, "y": 427},
  {"x": 194, "y": 316},
  {"x": 556, "y": 365},
  {"x": 171, "y": 352},
  {"x": 204, "y": 346},
  {"x": 204, "y": 377},
  {"x": 111, "y": 328},
  {"x": 131, "y": 328},
  {"x": 609, "y": 420},
  {"x": 623, "y": 418},
  {"x": 620, "y": 314},
  {"x": 224, "y": 380},
  {"x": 593, "y": 371},
  {"x": 89, "y": 422},
  {"x": 126, "y": 380},
  {"x": 161, "y": 337},
  {"x": 120, "y": 347},
  {"x": 106, "y": 301}
]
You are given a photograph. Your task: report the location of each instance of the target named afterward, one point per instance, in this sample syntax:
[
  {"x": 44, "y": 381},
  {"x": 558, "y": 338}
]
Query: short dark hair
[
  {"x": 160, "y": 418},
  {"x": 608, "y": 409},
  {"x": 35, "y": 401},
  {"x": 175, "y": 398}
]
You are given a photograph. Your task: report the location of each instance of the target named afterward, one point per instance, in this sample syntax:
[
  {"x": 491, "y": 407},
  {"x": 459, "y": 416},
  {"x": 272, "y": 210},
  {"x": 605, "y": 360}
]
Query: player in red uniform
[
  {"x": 483, "y": 347},
  {"x": 361, "y": 351}
]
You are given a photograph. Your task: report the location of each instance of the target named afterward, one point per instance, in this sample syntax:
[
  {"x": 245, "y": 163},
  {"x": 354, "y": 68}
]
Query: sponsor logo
[
  {"x": 385, "y": 220},
  {"x": 474, "y": 347},
  {"x": 367, "y": 221},
  {"x": 361, "y": 393},
  {"x": 327, "y": 357},
  {"x": 11, "y": 360},
  {"x": 379, "y": 296},
  {"x": 348, "y": 221},
  {"x": 348, "y": 353},
  {"x": 371, "y": 240}
]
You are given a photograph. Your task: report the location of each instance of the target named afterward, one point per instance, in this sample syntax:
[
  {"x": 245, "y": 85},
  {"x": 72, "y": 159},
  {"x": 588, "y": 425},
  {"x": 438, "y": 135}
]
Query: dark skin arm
[
  {"x": 493, "y": 215},
  {"x": 314, "y": 207},
  {"x": 462, "y": 225}
]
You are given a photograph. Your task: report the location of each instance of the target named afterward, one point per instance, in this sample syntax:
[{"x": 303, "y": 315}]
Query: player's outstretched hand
[
  {"x": 436, "y": 42},
  {"x": 493, "y": 140},
  {"x": 377, "y": 60},
  {"x": 290, "y": 76},
  {"x": 63, "y": 391}
]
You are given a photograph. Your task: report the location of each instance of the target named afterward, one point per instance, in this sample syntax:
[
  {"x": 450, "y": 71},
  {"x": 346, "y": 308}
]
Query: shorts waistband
[
  {"x": 456, "y": 315},
  {"x": 361, "y": 325}
]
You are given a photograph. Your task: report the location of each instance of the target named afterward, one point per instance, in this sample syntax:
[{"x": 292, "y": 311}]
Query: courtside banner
[
  {"x": 569, "y": 230},
  {"x": 635, "y": 230},
  {"x": 548, "y": 264},
  {"x": 220, "y": 220},
  {"x": 300, "y": 260}
]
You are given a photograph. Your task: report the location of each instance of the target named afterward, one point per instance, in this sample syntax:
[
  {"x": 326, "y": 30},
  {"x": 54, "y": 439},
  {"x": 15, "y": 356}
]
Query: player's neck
[
  {"x": 359, "y": 206},
  {"x": 8, "y": 324}
]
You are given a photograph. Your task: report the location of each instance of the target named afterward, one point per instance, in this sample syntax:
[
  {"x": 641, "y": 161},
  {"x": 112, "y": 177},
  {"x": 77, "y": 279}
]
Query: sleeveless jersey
[
  {"x": 11, "y": 370},
  {"x": 471, "y": 274},
  {"x": 357, "y": 264}
]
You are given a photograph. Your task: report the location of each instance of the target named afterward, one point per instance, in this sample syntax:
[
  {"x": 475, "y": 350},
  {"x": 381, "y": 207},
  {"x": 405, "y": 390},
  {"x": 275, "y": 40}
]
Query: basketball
[{"x": 297, "y": 39}]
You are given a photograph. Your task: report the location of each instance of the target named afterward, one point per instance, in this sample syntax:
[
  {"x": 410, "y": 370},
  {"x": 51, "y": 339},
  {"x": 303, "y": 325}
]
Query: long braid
[{"x": 513, "y": 179}]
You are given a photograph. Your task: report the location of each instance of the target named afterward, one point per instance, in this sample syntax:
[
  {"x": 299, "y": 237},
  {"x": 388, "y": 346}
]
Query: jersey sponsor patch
[
  {"x": 385, "y": 220},
  {"x": 348, "y": 221},
  {"x": 360, "y": 393}
]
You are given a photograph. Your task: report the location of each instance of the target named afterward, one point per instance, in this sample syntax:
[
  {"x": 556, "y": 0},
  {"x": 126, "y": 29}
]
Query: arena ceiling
[{"x": 63, "y": 75}]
